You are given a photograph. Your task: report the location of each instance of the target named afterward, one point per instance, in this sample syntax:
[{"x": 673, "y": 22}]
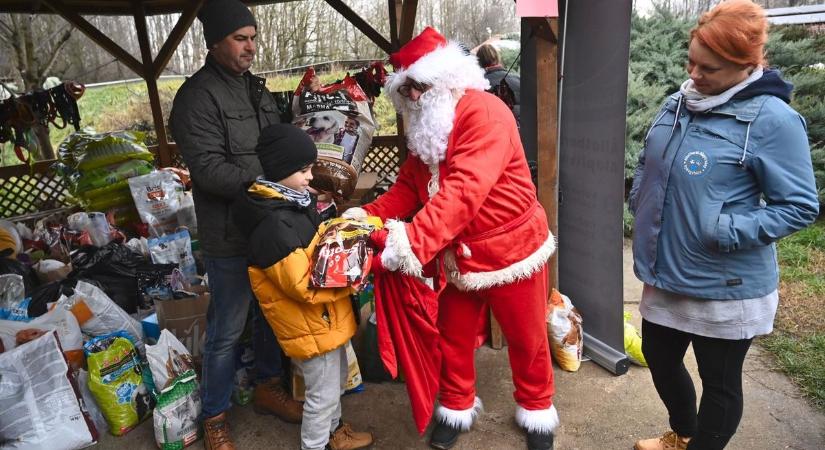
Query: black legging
[{"x": 720, "y": 367}]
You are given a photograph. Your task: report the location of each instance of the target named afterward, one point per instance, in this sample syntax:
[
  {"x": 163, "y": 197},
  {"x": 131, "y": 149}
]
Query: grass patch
[
  {"x": 798, "y": 344},
  {"x": 803, "y": 359}
]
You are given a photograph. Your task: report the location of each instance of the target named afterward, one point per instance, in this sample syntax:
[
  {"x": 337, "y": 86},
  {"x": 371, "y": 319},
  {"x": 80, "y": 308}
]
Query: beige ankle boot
[{"x": 669, "y": 441}]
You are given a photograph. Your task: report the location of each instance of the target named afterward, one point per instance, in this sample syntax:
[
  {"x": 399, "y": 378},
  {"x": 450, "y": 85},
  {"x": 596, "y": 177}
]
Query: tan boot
[
  {"x": 216, "y": 433},
  {"x": 345, "y": 438},
  {"x": 270, "y": 397},
  {"x": 669, "y": 441}
]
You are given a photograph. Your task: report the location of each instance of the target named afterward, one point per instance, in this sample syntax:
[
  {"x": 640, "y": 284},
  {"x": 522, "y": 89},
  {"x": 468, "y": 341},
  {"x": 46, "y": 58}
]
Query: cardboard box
[{"x": 186, "y": 319}]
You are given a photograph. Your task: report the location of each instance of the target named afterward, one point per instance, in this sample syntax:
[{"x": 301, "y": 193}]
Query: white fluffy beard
[{"x": 429, "y": 123}]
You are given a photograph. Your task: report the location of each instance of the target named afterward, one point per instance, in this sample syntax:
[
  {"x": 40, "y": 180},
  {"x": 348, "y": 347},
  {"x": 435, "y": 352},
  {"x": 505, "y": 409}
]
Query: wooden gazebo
[{"x": 540, "y": 113}]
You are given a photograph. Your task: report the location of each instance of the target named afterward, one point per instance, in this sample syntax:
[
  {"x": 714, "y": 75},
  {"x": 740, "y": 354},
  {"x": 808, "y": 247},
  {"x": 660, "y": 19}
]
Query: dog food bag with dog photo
[
  {"x": 116, "y": 381},
  {"x": 338, "y": 119},
  {"x": 566, "y": 333}
]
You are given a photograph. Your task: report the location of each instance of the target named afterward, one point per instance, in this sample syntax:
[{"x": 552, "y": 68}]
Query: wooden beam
[
  {"x": 547, "y": 118},
  {"x": 96, "y": 35},
  {"x": 178, "y": 32},
  {"x": 151, "y": 82},
  {"x": 361, "y": 24},
  {"x": 546, "y": 28},
  {"x": 395, "y": 7},
  {"x": 408, "y": 13}
]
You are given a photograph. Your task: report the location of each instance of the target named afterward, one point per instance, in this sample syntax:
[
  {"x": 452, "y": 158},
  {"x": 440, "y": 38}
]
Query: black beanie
[
  {"x": 222, "y": 17},
  {"x": 284, "y": 149}
]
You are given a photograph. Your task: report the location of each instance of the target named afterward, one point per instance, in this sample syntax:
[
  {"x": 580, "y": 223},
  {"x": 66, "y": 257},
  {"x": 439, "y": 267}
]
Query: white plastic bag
[
  {"x": 106, "y": 316},
  {"x": 566, "y": 333},
  {"x": 39, "y": 407}
]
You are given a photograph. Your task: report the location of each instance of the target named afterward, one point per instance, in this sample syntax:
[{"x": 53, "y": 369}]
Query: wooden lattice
[
  {"x": 27, "y": 190},
  {"x": 384, "y": 156}
]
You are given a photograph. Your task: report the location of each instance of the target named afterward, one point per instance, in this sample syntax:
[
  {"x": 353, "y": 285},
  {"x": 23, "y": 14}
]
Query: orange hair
[{"x": 736, "y": 30}]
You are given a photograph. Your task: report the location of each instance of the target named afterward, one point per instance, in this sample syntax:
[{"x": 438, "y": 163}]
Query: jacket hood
[
  {"x": 771, "y": 83},
  {"x": 256, "y": 202}
]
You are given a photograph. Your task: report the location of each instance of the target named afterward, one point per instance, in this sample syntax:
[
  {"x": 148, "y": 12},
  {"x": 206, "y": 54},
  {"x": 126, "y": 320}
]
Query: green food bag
[
  {"x": 633, "y": 342},
  {"x": 176, "y": 415},
  {"x": 116, "y": 381}
]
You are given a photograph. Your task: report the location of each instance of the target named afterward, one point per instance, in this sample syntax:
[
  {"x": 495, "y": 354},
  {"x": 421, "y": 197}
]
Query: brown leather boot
[
  {"x": 345, "y": 438},
  {"x": 669, "y": 441},
  {"x": 270, "y": 397},
  {"x": 216, "y": 433}
]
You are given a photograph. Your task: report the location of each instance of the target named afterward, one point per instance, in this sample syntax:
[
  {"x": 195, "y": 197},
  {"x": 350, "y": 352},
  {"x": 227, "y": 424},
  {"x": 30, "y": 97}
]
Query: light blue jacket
[{"x": 714, "y": 191}]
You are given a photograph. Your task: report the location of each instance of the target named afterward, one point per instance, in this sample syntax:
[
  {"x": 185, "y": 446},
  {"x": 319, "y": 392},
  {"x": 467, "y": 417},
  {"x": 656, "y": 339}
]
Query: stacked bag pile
[{"x": 97, "y": 167}]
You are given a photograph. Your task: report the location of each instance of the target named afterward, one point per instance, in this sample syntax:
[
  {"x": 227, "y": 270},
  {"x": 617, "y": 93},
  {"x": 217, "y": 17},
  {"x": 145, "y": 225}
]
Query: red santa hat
[{"x": 430, "y": 59}]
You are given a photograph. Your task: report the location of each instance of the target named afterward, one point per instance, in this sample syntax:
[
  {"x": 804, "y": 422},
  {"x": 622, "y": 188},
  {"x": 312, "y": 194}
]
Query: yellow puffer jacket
[{"x": 307, "y": 322}]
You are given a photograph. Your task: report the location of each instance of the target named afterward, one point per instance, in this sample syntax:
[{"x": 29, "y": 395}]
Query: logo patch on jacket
[{"x": 696, "y": 163}]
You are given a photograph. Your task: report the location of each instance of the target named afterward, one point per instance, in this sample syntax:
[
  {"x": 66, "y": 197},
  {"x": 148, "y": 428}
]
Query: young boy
[{"x": 278, "y": 215}]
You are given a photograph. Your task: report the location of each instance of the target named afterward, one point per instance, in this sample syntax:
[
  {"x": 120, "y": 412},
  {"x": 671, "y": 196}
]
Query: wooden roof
[{"x": 106, "y": 7}]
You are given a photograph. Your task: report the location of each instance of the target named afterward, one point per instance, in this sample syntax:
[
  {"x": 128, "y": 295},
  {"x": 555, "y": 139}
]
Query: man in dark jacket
[{"x": 216, "y": 119}]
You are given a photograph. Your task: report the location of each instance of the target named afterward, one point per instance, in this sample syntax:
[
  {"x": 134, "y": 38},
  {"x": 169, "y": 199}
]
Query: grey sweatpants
[{"x": 325, "y": 377}]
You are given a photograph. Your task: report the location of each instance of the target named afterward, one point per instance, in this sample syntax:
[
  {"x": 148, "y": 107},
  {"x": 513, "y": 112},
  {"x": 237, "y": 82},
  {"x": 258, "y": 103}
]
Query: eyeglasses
[{"x": 406, "y": 88}]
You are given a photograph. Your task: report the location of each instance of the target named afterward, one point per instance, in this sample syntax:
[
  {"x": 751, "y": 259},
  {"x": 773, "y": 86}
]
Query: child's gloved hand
[{"x": 378, "y": 238}]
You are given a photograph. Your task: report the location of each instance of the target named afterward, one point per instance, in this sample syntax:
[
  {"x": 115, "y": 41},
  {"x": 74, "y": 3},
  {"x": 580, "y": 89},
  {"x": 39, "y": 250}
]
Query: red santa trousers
[{"x": 520, "y": 310}]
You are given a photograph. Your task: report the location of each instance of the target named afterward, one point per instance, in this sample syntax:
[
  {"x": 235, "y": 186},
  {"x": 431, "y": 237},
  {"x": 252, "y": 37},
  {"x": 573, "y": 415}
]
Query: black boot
[
  {"x": 537, "y": 440},
  {"x": 443, "y": 436}
]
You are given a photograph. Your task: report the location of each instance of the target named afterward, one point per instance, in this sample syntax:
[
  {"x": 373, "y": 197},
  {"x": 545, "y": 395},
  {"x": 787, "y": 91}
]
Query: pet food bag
[
  {"x": 168, "y": 359},
  {"x": 566, "y": 333},
  {"x": 175, "y": 248},
  {"x": 633, "y": 342},
  {"x": 157, "y": 198},
  {"x": 343, "y": 256},
  {"x": 175, "y": 417},
  {"x": 116, "y": 381},
  {"x": 40, "y": 407},
  {"x": 338, "y": 119}
]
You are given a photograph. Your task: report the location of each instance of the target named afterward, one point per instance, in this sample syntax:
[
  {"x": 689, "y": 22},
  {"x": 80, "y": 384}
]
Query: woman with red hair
[{"x": 725, "y": 172}]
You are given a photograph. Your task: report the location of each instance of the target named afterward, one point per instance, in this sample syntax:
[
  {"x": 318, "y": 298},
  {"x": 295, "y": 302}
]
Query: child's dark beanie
[{"x": 284, "y": 149}]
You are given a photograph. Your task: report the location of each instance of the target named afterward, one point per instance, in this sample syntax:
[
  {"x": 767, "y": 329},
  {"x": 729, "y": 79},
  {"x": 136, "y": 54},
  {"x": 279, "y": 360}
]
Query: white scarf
[{"x": 698, "y": 102}]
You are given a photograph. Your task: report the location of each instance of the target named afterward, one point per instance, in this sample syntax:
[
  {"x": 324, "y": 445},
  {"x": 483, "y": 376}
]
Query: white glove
[
  {"x": 355, "y": 213},
  {"x": 390, "y": 259}
]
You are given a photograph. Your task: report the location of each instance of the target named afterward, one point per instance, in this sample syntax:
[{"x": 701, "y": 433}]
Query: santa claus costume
[{"x": 474, "y": 211}]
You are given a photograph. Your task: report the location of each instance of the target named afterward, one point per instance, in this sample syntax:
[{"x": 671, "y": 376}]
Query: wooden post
[
  {"x": 547, "y": 126},
  {"x": 148, "y": 75}
]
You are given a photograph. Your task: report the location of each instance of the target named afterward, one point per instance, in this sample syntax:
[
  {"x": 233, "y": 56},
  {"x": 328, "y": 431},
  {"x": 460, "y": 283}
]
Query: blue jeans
[{"x": 231, "y": 298}]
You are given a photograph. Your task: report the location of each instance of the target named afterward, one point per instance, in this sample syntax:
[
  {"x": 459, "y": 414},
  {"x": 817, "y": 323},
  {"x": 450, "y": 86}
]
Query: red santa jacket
[{"x": 485, "y": 219}]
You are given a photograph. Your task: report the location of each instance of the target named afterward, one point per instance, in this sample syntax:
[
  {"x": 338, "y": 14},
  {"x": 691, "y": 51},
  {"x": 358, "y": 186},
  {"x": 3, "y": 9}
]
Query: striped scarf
[{"x": 301, "y": 198}]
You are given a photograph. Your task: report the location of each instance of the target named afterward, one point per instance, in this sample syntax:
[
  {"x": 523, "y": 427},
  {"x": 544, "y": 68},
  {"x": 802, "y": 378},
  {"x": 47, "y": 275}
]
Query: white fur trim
[
  {"x": 460, "y": 418},
  {"x": 541, "y": 420},
  {"x": 476, "y": 281},
  {"x": 398, "y": 241},
  {"x": 447, "y": 66}
]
